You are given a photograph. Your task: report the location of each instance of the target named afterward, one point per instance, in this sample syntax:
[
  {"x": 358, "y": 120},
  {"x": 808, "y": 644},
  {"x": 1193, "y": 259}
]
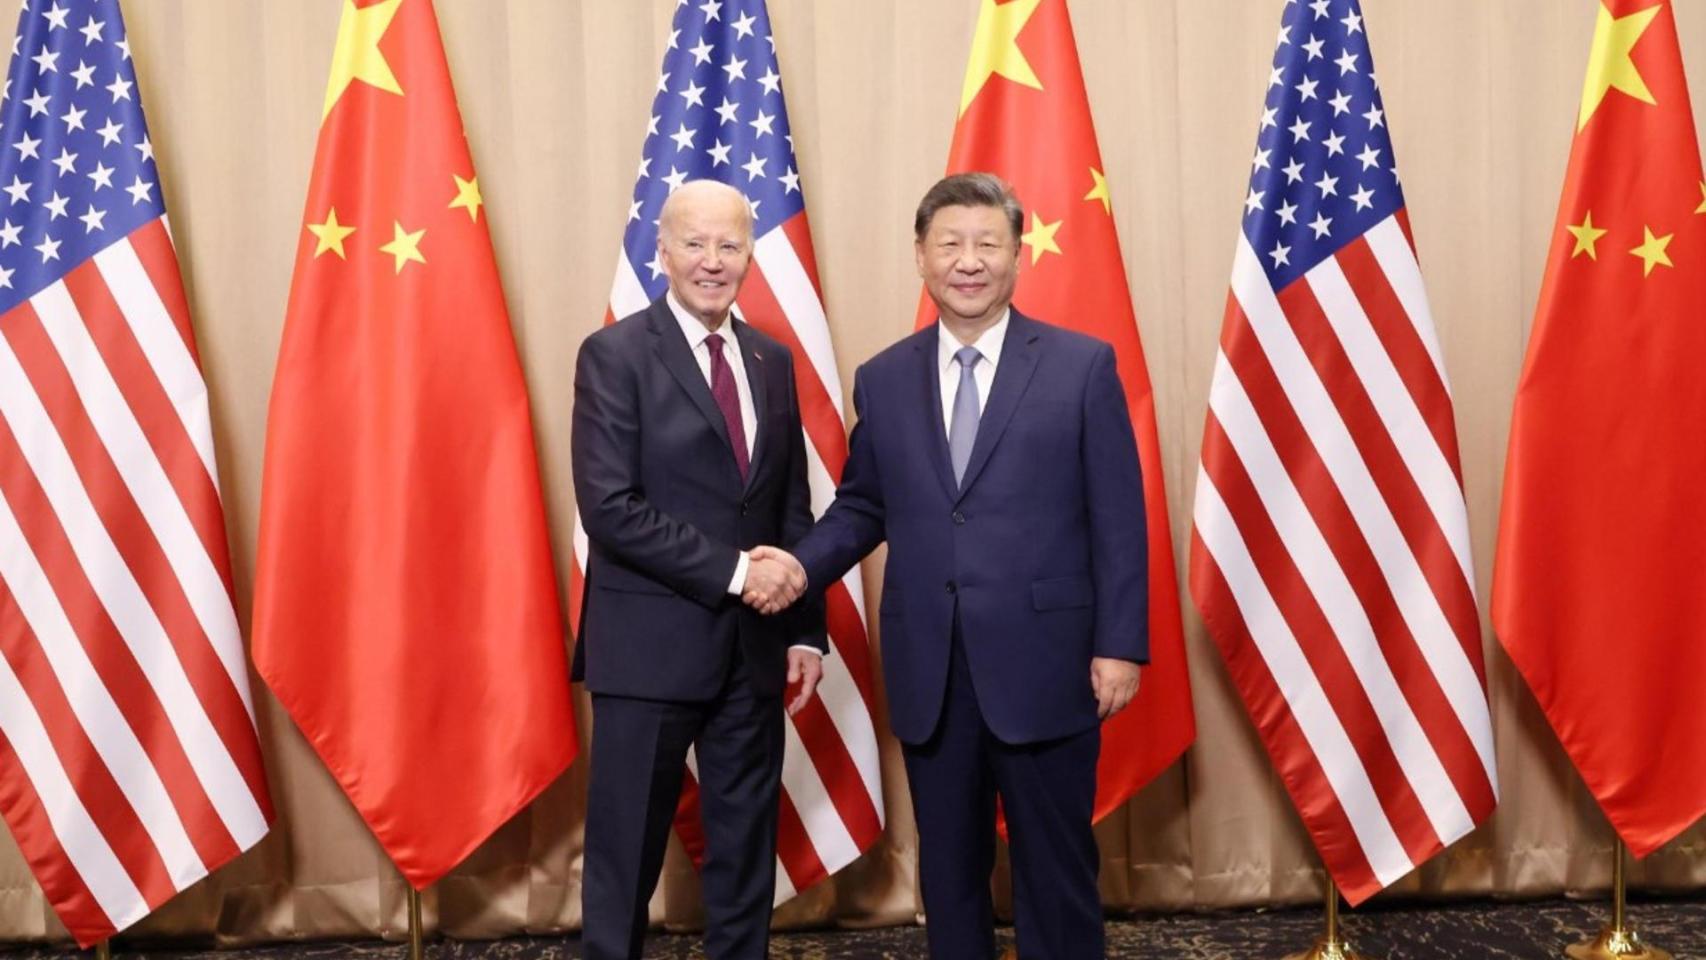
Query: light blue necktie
[{"x": 962, "y": 427}]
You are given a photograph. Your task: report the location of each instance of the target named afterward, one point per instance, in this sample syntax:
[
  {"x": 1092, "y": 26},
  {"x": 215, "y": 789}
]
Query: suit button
[
  {"x": 959, "y": 518},
  {"x": 744, "y": 506},
  {"x": 953, "y": 587}
]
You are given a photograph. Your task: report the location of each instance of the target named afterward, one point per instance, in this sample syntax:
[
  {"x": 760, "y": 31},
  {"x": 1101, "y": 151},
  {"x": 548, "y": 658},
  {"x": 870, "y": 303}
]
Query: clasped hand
[{"x": 774, "y": 580}]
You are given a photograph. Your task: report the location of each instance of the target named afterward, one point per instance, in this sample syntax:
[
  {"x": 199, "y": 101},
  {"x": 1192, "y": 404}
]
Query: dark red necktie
[{"x": 728, "y": 400}]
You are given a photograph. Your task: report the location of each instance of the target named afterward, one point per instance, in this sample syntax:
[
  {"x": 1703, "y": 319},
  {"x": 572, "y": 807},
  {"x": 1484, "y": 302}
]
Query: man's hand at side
[
  {"x": 1114, "y": 682},
  {"x": 805, "y": 667}
]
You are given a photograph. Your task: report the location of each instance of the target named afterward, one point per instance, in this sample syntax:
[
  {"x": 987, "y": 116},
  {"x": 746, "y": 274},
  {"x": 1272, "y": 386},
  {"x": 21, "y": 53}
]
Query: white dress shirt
[{"x": 983, "y": 372}]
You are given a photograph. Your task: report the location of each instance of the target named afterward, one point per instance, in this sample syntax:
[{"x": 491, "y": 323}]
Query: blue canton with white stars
[
  {"x": 76, "y": 167},
  {"x": 1323, "y": 171},
  {"x": 718, "y": 115}
]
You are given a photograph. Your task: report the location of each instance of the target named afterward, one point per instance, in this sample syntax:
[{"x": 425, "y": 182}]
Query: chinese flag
[
  {"x": 406, "y": 608},
  {"x": 1024, "y": 116},
  {"x": 1599, "y": 588}
]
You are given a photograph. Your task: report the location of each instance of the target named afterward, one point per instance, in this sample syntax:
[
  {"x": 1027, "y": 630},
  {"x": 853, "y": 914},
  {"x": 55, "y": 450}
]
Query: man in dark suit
[
  {"x": 687, "y": 452},
  {"x": 995, "y": 455}
]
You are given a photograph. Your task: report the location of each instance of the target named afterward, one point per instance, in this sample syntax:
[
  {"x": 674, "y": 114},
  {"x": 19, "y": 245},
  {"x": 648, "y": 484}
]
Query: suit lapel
[
  {"x": 758, "y": 381},
  {"x": 931, "y": 379},
  {"x": 677, "y": 358},
  {"x": 1012, "y": 376}
]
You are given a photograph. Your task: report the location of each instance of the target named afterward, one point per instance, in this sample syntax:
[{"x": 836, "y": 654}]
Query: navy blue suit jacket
[
  {"x": 666, "y": 513},
  {"x": 1042, "y": 547}
]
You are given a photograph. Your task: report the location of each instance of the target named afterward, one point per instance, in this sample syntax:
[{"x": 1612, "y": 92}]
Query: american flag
[
  {"x": 129, "y": 765},
  {"x": 1331, "y": 549},
  {"x": 719, "y": 114}
]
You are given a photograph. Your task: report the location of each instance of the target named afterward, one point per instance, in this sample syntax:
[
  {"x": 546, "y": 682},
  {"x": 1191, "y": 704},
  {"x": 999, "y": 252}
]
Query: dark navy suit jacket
[
  {"x": 666, "y": 513},
  {"x": 1042, "y": 548}
]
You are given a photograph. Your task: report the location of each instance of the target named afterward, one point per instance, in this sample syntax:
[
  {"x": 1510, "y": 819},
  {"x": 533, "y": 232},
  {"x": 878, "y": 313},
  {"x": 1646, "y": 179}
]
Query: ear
[{"x": 918, "y": 256}]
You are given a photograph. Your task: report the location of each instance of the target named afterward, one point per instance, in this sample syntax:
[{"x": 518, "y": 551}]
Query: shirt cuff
[
  {"x": 737, "y": 585},
  {"x": 807, "y": 648}
]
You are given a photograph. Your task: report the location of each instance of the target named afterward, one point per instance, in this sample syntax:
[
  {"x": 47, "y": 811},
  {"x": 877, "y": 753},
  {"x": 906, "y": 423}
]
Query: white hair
[{"x": 696, "y": 190}]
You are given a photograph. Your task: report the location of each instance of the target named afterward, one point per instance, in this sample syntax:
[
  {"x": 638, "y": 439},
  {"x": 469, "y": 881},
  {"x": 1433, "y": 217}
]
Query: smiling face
[
  {"x": 969, "y": 259},
  {"x": 705, "y": 247}
]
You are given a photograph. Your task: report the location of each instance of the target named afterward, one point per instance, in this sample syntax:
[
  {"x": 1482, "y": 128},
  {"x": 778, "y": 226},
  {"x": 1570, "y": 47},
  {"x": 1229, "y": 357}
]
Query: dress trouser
[
  {"x": 639, "y": 751},
  {"x": 1048, "y": 793}
]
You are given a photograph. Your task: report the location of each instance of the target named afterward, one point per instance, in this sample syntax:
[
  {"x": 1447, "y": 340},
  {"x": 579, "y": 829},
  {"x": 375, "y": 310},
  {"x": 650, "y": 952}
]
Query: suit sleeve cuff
[
  {"x": 737, "y": 584},
  {"x": 807, "y": 648}
]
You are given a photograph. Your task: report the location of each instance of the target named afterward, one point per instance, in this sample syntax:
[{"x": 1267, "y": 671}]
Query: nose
[{"x": 968, "y": 261}]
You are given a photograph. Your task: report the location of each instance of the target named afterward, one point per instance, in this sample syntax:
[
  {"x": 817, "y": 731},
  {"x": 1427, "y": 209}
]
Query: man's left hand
[
  {"x": 1114, "y": 682},
  {"x": 805, "y": 667}
]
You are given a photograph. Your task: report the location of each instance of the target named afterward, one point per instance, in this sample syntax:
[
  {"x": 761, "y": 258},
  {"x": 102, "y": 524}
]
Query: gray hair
[{"x": 969, "y": 190}]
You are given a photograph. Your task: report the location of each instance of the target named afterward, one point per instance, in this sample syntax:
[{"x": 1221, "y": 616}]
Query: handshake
[{"x": 774, "y": 580}]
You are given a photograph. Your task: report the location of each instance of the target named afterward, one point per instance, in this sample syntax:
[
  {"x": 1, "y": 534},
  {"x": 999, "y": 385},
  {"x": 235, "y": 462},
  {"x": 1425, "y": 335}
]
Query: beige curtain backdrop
[{"x": 1481, "y": 96}]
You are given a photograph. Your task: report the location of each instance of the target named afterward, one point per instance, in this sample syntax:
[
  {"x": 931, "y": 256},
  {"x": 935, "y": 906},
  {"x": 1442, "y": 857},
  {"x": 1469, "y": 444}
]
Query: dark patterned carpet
[{"x": 1504, "y": 931}]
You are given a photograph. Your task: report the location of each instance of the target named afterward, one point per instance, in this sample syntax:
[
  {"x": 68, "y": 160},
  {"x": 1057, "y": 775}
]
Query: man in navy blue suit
[
  {"x": 688, "y": 452},
  {"x": 995, "y": 455}
]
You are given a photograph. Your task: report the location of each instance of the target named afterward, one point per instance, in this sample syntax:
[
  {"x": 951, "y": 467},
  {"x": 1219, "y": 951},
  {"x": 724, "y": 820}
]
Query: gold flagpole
[
  {"x": 104, "y": 950},
  {"x": 1619, "y": 939},
  {"x": 415, "y": 938},
  {"x": 1331, "y": 946}
]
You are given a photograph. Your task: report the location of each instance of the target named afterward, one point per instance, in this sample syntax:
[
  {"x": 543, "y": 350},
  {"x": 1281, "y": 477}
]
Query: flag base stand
[
  {"x": 1618, "y": 940},
  {"x": 1611, "y": 942},
  {"x": 415, "y": 939},
  {"x": 1331, "y": 946}
]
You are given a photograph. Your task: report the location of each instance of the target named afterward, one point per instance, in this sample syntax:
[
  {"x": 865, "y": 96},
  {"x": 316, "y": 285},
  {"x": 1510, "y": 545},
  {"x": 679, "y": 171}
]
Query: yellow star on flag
[
  {"x": 995, "y": 48},
  {"x": 330, "y": 235},
  {"x": 1100, "y": 190},
  {"x": 1609, "y": 63},
  {"x": 467, "y": 196},
  {"x": 1652, "y": 251},
  {"x": 1041, "y": 237},
  {"x": 357, "y": 55},
  {"x": 1702, "y": 207},
  {"x": 405, "y": 246},
  {"x": 1586, "y": 236}
]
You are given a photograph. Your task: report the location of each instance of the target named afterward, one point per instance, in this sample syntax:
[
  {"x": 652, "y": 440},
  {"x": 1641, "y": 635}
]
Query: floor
[{"x": 1519, "y": 931}]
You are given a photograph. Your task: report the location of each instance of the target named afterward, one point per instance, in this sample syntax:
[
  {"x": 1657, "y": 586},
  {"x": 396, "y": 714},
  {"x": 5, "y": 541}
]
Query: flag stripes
[
  {"x": 809, "y": 792},
  {"x": 113, "y": 737},
  {"x": 39, "y": 790},
  {"x": 1361, "y": 691},
  {"x": 796, "y": 294},
  {"x": 1296, "y": 719},
  {"x": 797, "y": 860},
  {"x": 131, "y": 718},
  {"x": 98, "y": 794},
  {"x": 1383, "y": 282},
  {"x": 1331, "y": 557}
]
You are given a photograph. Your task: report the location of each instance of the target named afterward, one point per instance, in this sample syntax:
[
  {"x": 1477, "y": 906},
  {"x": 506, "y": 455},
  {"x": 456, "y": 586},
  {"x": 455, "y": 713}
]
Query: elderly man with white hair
[{"x": 688, "y": 453}]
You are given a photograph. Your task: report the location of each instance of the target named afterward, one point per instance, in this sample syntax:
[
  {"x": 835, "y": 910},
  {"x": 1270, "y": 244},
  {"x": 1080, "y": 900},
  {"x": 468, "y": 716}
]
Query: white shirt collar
[
  {"x": 693, "y": 329},
  {"x": 989, "y": 345}
]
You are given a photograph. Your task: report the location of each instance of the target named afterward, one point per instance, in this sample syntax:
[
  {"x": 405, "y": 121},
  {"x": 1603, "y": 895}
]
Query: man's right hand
[{"x": 774, "y": 580}]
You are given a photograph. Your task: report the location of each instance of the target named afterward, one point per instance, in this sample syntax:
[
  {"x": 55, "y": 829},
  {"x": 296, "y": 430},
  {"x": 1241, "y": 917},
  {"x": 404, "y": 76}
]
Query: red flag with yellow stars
[
  {"x": 1599, "y": 587},
  {"x": 406, "y": 610},
  {"x": 1024, "y": 116}
]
